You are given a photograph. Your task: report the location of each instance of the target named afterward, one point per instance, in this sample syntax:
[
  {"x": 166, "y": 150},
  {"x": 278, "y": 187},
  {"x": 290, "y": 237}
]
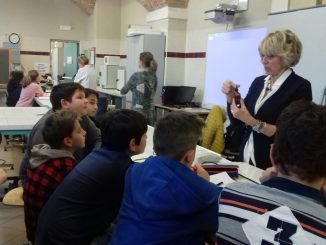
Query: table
[
  {"x": 114, "y": 96},
  {"x": 246, "y": 171},
  {"x": 19, "y": 120},
  {"x": 202, "y": 112},
  {"x": 43, "y": 101}
]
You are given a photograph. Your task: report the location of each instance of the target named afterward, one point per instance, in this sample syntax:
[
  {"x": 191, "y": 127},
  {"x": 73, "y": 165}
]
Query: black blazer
[{"x": 293, "y": 88}]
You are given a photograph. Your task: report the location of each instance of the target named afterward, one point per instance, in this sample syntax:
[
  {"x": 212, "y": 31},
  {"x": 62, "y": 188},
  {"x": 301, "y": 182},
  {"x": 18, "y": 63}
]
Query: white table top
[
  {"x": 247, "y": 171},
  {"x": 20, "y": 118},
  {"x": 43, "y": 101},
  {"x": 108, "y": 91}
]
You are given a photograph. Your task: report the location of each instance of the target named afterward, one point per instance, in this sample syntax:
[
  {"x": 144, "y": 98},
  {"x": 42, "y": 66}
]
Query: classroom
[{"x": 223, "y": 87}]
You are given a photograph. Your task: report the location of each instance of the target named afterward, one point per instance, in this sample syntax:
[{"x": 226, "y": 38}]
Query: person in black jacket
[
  {"x": 14, "y": 87},
  {"x": 267, "y": 96}
]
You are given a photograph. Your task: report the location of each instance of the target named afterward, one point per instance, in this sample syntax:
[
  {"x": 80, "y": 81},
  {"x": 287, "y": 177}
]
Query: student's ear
[
  {"x": 132, "y": 145},
  {"x": 64, "y": 104},
  {"x": 67, "y": 142},
  {"x": 188, "y": 157}
]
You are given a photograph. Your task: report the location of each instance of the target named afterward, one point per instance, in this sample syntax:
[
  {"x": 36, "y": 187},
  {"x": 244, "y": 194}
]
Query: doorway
[{"x": 63, "y": 60}]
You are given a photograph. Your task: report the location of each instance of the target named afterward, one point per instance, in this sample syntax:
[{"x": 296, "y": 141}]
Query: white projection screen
[{"x": 231, "y": 55}]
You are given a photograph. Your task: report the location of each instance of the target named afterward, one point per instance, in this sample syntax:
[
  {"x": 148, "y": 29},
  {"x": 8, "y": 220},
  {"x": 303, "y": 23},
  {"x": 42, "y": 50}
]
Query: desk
[
  {"x": 43, "y": 101},
  {"x": 246, "y": 171},
  {"x": 19, "y": 120},
  {"x": 114, "y": 96},
  {"x": 202, "y": 112}
]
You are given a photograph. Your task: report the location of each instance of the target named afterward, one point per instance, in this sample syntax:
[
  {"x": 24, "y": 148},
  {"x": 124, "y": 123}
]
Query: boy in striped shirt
[{"x": 289, "y": 206}]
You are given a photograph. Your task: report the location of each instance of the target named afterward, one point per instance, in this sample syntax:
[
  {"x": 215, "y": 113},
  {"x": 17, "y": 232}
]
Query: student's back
[
  {"x": 88, "y": 200},
  {"x": 288, "y": 208},
  {"x": 14, "y": 88},
  {"x": 165, "y": 201}
]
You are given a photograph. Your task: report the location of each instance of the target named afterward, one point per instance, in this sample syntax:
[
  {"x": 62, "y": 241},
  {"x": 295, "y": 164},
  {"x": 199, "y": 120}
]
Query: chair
[
  {"x": 18, "y": 141},
  {"x": 14, "y": 197},
  {"x": 213, "y": 132}
]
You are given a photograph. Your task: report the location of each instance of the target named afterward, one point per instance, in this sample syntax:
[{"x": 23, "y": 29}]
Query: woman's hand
[
  {"x": 228, "y": 88},
  {"x": 242, "y": 113}
]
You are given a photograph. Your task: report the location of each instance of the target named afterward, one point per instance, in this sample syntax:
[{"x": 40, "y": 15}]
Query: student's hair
[
  {"x": 89, "y": 91},
  {"x": 176, "y": 133},
  {"x": 63, "y": 91},
  {"x": 120, "y": 126},
  {"x": 299, "y": 144},
  {"x": 16, "y": 76},
  {"x": 58, "y": 126},
  {"x": 148, "y": 60},
  {"x": 82, "y": 59},
  {"x": 283, "y": 43},
  {"x": 30, "y": 77}
]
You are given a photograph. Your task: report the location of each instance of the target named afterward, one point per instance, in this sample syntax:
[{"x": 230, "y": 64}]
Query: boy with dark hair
[
  {"x": 165, "y": 201},
  {"x": 87, "y": 201},
  {"x": 50, "y": 163},
  {"x": 92, "y": 101},
  {"x": 69, "y": 96},
  {"x": 288, "y": 208}
]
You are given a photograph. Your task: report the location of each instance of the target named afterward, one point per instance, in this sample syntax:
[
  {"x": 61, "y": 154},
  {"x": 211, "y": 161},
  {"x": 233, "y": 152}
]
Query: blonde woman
[
  {"x": 31, "y": 89},
  {"x": 268, "y": 95}
]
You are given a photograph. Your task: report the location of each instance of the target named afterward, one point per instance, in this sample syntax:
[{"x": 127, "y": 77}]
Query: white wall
[{"x": 198, "y": 30}]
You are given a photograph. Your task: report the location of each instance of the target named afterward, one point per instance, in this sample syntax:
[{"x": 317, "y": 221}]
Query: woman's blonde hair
[
  {"x": 30, "y": 78},
  {"x": 283, "y": 43},
  {"x": 83, "y": 60},
  {"x": 148, "y": 60}
]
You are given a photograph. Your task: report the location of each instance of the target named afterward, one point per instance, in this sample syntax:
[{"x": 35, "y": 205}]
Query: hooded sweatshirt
[
  {"x": 46, "y": 170},
  {"x": 165, "y": 202}
]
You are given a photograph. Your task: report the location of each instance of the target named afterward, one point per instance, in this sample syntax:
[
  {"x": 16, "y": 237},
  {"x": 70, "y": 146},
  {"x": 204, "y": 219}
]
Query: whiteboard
[
  {"x": 231, "y": 55},
  {"x": 310, "y": 26}
]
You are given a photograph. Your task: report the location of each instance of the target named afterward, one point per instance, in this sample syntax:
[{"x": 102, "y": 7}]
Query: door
[{"x": 70, "y": 54}]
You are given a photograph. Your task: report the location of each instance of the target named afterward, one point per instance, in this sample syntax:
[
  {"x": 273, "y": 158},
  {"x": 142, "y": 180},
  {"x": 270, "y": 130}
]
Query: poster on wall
[{"x": 41, "y": 67}]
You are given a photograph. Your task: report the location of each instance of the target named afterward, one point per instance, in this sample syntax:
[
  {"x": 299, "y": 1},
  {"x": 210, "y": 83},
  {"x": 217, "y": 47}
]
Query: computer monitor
[{"x": 177, "y": 95}]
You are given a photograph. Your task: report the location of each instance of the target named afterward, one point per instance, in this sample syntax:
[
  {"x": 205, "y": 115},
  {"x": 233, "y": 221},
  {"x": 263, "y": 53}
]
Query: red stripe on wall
[
  {"x": 185, "y": 55},
  {"x": 123, "y": 56},
  {"x": 35, "y": 53}
]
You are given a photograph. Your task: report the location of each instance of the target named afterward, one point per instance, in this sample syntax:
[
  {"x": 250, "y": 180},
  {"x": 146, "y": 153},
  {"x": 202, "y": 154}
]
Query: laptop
[{"x": 178, "y": 95}]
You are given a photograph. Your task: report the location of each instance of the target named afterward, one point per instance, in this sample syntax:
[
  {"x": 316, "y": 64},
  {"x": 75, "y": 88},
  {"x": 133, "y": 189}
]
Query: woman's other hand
[
  {"x": 228, "y": 88},
  {"x": 242, "y": 113}
]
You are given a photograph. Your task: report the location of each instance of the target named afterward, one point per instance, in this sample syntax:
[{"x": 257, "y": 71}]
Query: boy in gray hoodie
[{"x": 50, "y": 163}]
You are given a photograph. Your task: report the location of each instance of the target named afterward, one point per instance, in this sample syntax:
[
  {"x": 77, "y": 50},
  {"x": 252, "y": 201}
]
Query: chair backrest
[{"x": 213, "y": 132}]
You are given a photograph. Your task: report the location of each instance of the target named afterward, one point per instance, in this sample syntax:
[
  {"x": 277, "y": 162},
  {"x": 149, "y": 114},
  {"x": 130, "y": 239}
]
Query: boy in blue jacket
[{"x": 165, "y": 201}]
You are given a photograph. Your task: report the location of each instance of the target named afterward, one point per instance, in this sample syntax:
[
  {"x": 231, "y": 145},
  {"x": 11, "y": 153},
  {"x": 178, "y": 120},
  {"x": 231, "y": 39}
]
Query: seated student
[
  {"x": 14, "y": 87},
  {"x": 165, "y": 201},
  {"x": 64, "y": 96},
  {"x": 92, "y": 100},
  {"x": 288, "y": 208},
  {"x": 50, "y": 163},
  {"x": 88, "y": 200},
  {"x": 31, "y": 89}
]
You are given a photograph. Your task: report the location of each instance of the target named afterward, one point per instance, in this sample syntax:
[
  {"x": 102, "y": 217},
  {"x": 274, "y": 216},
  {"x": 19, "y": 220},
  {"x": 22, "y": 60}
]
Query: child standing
[
  {"x": 50, "y": 163},
  {"x": 31, "y": 89}
]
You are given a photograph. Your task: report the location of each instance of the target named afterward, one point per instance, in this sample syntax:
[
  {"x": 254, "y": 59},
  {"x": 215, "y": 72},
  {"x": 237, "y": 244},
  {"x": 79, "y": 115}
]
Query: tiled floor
[{"x": 12, "y": 228}]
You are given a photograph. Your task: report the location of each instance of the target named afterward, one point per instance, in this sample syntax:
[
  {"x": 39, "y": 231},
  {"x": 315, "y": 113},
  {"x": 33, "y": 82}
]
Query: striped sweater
[{"x": 279, "y": 211}]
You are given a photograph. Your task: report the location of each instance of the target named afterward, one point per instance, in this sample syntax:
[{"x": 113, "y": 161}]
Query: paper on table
[{"x": 221, "y": 177}]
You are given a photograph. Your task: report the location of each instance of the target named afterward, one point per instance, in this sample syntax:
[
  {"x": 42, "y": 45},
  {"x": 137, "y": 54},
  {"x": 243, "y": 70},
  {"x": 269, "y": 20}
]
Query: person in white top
[{"x": 86, "y": 74}]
